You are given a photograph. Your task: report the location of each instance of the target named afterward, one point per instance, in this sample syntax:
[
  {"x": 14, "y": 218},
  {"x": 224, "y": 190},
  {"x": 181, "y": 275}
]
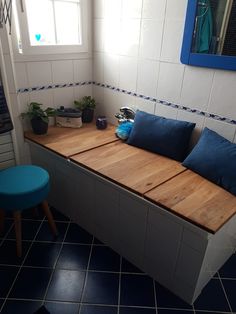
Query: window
[{"x": 51, "y": 26}]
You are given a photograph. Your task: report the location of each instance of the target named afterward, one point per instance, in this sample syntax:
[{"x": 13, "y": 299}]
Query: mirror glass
[
  {"x": 215, "y": 27},
  {"x": 210, "y": 34}
]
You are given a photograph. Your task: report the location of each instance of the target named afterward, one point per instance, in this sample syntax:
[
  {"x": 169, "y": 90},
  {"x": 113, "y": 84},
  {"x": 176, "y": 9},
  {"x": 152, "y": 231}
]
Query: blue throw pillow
[
  {"x": 160, "y": 135},
  {"x": 214, "y": 158}
]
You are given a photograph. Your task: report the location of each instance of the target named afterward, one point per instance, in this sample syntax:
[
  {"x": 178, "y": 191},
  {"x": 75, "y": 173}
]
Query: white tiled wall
[
  {"x": 43, "y": 73},
  {"x": 137, "y": 47}
]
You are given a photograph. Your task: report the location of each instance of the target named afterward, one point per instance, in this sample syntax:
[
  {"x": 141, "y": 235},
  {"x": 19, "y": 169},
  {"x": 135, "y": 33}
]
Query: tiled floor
[{"x": 77, "y": 274}]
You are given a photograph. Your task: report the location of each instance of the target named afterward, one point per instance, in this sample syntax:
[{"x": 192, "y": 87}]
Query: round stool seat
[{"x": 23, "y": 187}]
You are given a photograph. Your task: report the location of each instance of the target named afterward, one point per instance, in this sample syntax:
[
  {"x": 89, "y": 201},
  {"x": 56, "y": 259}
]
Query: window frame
[{"x": 28, "y": 50}]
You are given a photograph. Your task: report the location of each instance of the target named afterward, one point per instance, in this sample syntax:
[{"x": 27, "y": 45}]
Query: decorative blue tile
[
  {"x": 74, "y": 256},
  {"x": 43, "y": 255},
  {"x": 76, "y": 234},
  {"x": 137, "y": 290},
  {"x": 135, "y": 310},
  {"x": 62, "y": 308},
  {"x": 31, "y": 283},
  {"x": 16, "y": 306},
  {"x": 127, "y": 267},
  {"x": 230, "y": 289},
  {"x": 66, "y": 285},
  {"x": 93, "y": 309},
  {"x": 228, "y": 270},
  {"x": 7, "y": 276},
  {"x": 29, "y": 229},
  {"x": 45, "y": 233},
  {"x": 212, "y": 298},
  {"x": 105, "y": 259},
  {"x": 8, "y": 252},
  {"x": 101, "y": 288},
  {"x": 166, "y": 299}
]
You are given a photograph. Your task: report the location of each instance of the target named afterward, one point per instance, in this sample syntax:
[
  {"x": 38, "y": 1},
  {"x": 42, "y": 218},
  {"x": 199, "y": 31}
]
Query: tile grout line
[
  {"x": 225, "y": 293},
  {"x": 86, "y": 275},
  {"x": 155, "y": 295},
  {"x": 55, "y": 263},
  {"x": 22, "y": 263},
  {"x": 119, "y": 288}
]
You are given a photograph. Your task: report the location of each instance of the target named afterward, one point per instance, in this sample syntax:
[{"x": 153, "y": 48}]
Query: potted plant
[
  {"x": 87, "y": 105},
  {"x": 39, "y": 117}
]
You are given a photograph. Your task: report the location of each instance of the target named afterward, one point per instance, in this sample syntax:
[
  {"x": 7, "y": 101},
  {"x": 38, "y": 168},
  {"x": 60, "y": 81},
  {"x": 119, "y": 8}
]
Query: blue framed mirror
[{"x": 210, "y": 34}]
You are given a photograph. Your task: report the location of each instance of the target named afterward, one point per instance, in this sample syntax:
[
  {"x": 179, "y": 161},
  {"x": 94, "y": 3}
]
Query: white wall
[{"x": 137, "y": 46}]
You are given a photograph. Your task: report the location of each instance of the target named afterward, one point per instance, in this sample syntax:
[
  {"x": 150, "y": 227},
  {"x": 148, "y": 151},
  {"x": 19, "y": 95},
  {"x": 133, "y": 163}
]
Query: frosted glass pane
[
  {"x": 40, "y": 22},
  {"x": 67, "y": 15}
]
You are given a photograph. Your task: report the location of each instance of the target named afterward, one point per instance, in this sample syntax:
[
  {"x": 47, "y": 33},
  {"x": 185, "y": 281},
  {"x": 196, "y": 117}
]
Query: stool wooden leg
[
  {"x": 2, "y": 216},
  {"x": 49, "y": 216},
  {"x": 17, "y": 222}
]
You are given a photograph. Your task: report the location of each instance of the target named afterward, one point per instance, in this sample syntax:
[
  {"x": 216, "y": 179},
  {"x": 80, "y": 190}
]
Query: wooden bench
[{"x": 173, "y": 224}]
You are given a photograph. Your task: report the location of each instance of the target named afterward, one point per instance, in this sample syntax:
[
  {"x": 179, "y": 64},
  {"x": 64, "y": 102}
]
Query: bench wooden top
[
  {"x": 195, "y": 199},
  {"x": 159, "y": 179},
  {"x": 136, "y": 169},
  {"x": 68, "y": 141}
]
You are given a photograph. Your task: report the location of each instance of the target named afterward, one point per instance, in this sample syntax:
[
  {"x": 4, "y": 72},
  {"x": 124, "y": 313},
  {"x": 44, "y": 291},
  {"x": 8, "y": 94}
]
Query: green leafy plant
[
  {"x": 87, "y": 102},
  {"x": 35, "y": 111}
]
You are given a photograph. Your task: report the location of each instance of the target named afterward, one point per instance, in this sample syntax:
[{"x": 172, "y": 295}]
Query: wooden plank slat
[
  {"x": 132, "y": 167},
  {"x": 68, "y": 142},
  {"x": 196, "y": 199}
]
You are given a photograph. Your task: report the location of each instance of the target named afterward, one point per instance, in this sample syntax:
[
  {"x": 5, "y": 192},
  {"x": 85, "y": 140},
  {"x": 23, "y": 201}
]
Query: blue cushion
[
  {"x": 23, "y": 187},
  {"x": 164, "y": 136},
  {"x": 214, "y": 158}
]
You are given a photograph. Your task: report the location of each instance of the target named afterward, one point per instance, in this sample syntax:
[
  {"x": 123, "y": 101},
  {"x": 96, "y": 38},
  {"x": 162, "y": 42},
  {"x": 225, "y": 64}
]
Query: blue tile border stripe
[
  {"x": 51, "y": 86},
  {"x": 126, "y": 92}
]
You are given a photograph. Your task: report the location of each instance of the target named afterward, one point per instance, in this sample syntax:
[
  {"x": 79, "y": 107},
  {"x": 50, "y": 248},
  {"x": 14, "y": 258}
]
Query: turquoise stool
[{"x": 23, "y": 187}]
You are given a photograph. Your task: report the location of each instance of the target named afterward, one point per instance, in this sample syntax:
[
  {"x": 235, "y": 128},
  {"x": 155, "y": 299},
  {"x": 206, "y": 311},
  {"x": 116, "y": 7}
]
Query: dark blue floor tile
[
  {"x": 31, "y": 283},
  {"x": 137, "y": 290},
  {"x": 96, "y": 241},
  {"x": 172, "y": 311},
  {"x": 1, "y": 303},
  {"x": 76, "y": 234},
  {"x": 15, "y": 307},
  {"x": 74, "y": 256},
  {"x": 62, "y": 308},
  {"x": 31, "y": 213},
  {"x": 8, "y": 223},
  {"x": 228, "y": 270},
  {"x": 166, "y": 299},
  {"x": 93, "y": 309},
  {"x": 58, "y": 216},
  {"x": 212, "y": 298},
  {"x": 105, "y": 259},
  {"x": 135, "y": 310},
  {"x": 8, "y": 252},
  {"x": 127, "y": 267},
  {"x": 66, "y": 285},
  {"x": 43, "y": 255},
  {"x": 101, "y": 288},
  {"x": 45, "y": 233},
  {"x": 7, "y": 276},
  {"x": 230, "y": 289},
  {"x": 29, "y": 229}
]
